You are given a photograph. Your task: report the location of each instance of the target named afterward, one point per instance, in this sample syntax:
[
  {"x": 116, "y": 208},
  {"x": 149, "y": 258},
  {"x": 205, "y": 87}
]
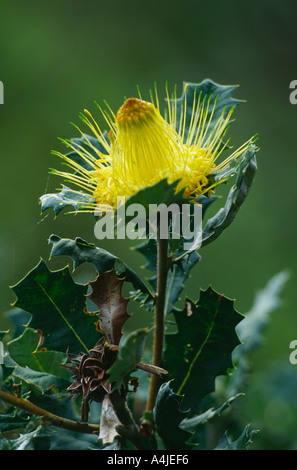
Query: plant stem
[
  {"x": 130, "y": 430},
  {"x": 49, "y": 418},
  {"x": 162, "y": 272}
]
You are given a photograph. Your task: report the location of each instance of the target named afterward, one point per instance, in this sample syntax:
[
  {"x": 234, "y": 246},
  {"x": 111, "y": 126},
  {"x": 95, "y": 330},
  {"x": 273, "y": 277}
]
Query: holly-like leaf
[
  {"x": 24, "y": 351},
  {"x": 130, "y": 353},
  {"x": 66, "y": 197},
  {"x": 266, "y": 301},
  {"x": 193, "y": 423},
  {"x": 58, "y": 308},
  {"x": 250, "y": 329},
  {"x": 177, "y": 277},
  {"x": 42, "y": 380},
  {"x": 23, "y": 442},
  {"x": 201, "y": 348},
  {"x": 168, "y": 417},
  {"x": 81, "y": 251},
  {"x": 13, "y": 420},
  {"x": 78, "y": 200},
  {"x": 242, "y": 443},
  {"x": 217, "y": 100},
  {"x": 238, "y": 193},
  {"x": 200, "y": 425},
  {"x": 106, "y": 294}
]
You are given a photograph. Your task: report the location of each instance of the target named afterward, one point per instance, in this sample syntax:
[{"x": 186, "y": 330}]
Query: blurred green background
[{"x": 57, "y": 57}]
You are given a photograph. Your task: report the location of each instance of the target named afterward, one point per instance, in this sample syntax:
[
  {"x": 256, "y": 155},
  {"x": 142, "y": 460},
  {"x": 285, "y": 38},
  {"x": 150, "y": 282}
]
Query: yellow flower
[{"x": 143, "y": 147}]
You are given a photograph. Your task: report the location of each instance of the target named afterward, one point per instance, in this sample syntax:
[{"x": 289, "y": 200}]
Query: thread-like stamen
[{"x": 185, "y": 113}]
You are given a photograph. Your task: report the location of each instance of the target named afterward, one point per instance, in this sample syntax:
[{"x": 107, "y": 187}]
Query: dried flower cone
[{"x": 90, "y": 374}]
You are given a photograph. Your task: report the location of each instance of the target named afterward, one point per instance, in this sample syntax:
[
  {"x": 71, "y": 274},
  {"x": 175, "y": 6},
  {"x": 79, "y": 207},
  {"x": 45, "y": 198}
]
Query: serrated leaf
[
  {"x": 42, "y": 380},
  {"x": 250, "y": 329},
  {"x": 65, "y": 198},
  {"x": 177, "y": 277},
  {"x": 237, "y": 194},
  {"x": 24, "y": 351},
  {"x": 57, "y": 306},
  {"x": 106, "y": 294},
  {"x": 168, "y": 417},
  {"x": 24, "y": 442},
  {"x": 266, "y": 301},
  {"x": 49, "y": 439},
  {"x": 130, "y": 353},
  {"x": 191, "y": 424},
  {"x": 81, "y": 251},
  {"x": 217, "y": 100},
  {"x": 202, "y": 347},
  {"x": 13, "y": 420},
  {"x": 242, "y": 443},
  {"x": 68, "y": 197}
]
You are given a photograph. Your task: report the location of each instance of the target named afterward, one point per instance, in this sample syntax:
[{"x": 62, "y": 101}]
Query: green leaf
[
  {"x": 24, "y": 351},
  {"x": 42, "y": 380},
  {"x": 57, "y": 306},
  {"x": 66, "y": 197},
  {"x": 218, "y": 97},
  {"x": 12, "y": 420},
  {"x": 250, "y": 329},
  {"x": 177, "y": 277},
  {"x": 130, "y": 352},
  {"x": 81, "y": 251},
  {"x": 193, "y": 423},
  {"x": 168, "y": 417},
  {"x": 244, "y": 440},
  {"x": 267, "y": 300},
  {"x": 201, "y": 348},
  {"x": 206, "y": 202},
  {"x": 237, "y": 194},
  {"x": 24, "y": 442},
  {"x": 2, "y": 334},
  {"x": 49, "y": 439},
  {"x": 87, "y": 142},
  {"x": 163, "y": 199},
  {"x": 200, "y": 426},
  {"x": 161, "y": 192}
]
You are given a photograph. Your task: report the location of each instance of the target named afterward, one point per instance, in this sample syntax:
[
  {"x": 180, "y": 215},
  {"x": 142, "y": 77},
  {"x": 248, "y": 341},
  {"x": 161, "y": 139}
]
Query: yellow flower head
[{"x": 142, "y": 147}]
